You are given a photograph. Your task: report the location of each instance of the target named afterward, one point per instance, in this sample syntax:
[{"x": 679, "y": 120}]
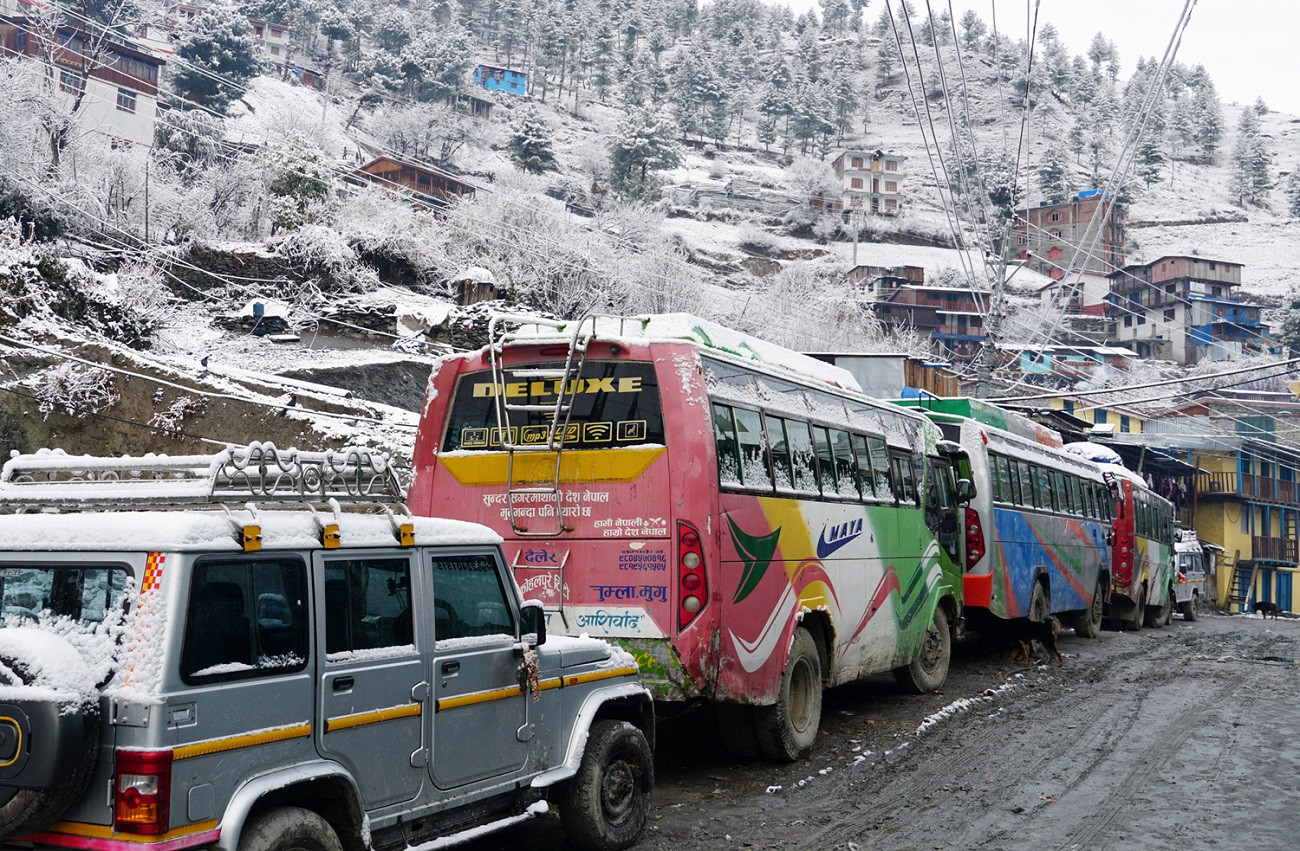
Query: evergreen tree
[
  {"x": 1054, "y": 173},
  {"x": 435, "y": 63},
  {"x": 1209, "y": 119},
  {"x": 835, "y": 15},
  {"x": 886, "y": 60},
  {"x": 844, "y": 93},
  {"x": 1260, "y": 107},
  {"x": 530, "y": 143},
  {"x": 1150, "y": 160},
  {"x": 1292, "y": 191},
  {"x": 300, "y": 182},
  {"x": 220, "y": 55},
  {"x": 1252, "y": 161},
  {"x": 1290, "y": 330},
  {"x": 973, "y": 30},
  {"x": 646, "y": 143}
]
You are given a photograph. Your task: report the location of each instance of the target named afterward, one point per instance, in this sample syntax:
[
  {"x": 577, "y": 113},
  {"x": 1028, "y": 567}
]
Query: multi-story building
[
  {"x": 107, "y": 83},
  {"x": 496, "y": 79},
  {"x": 871, "y": 181},
  {"x": 1184, "y": 309},
  {"x": 1047, "y": 235},
  {"x": 874, "y": 282},
  {"x": 1072, "y": 362},
  {"x": 953, "y": 318}
]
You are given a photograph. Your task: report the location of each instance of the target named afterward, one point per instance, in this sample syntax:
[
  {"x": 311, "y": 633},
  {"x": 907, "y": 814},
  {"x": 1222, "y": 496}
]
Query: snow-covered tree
[
  {"x": 299, "y": 183},
  {"x": 646, "y": 143},
  {"x": 1259, "y": 106},
  {"x": 1054, "y": 172},
  {"x": 435, "y": 62},
  {"x": 1252, "y": 161},
  {"x": 1290, "y": 330},
  {"x": 1150, "y": 160},
  {"x": 530, "y": 143},
  {"x": 973, "y": 30},
  {"x": 1207, "y": 111},
  {"x": 1292, "y": 191},
  {"x": 188, "y": 139},
  {"x": 217, "y": 56}
]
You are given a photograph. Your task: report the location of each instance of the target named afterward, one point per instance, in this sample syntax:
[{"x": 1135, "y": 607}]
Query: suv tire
[
  {"x": 605, "y": 805},
  {"x": 31, "y": 810},
  {"x": 289, "y": 829}
]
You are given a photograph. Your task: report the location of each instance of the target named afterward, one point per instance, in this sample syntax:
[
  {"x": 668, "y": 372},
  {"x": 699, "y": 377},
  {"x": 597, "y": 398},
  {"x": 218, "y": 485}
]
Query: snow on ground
[{"x": 273, "y": 110}]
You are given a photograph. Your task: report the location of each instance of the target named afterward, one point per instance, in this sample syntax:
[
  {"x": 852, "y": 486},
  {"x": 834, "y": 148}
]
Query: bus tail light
[
  {"x": 142, "y": 791},
  {"x": 974, "y": 538},
  {"x": 692, "y": 583}
]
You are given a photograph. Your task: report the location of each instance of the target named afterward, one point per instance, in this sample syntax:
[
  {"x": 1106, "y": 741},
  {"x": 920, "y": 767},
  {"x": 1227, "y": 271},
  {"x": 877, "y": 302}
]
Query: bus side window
[
  {"x": 845, "y": 474},
  {"x": 1013, "y": 480},
  {"x": 1002, "y": 476},
  {"x": 1043, "y": 489},
  {"x": 866, "y": 481},
  {"x": 905, "y": 486},
  {"x": 754, "y": 471},
  {"x": 803, "y": 461},
  {"x": 1061, "y": 492},
  {"x": 780, "y": 453},
  {"x": 1026, "y": 475},
  {"x": 825, "y": 461},
  {"x": 880, "y": 468},
  {"x": 1089, "y": 506},
  {"x": 728, "y": 449}
]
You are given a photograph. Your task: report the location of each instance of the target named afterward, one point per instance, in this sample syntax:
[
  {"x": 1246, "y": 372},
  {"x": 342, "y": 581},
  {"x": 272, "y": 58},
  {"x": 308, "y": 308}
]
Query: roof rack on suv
[{"x": 257, "y": 472}]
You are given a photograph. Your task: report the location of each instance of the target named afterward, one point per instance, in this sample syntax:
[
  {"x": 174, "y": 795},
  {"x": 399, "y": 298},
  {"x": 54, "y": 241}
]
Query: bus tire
[
  {"x": 1133, "y": 622},
  {"x": 606, "y": 804},
  {"x": 736, "y": 730},
  {"x": 1087, "y": 623},
  {"x": 1158, "y": 616},
  {"x": 929, "y": 669},
  {"x": 1040, "y": 604},
  {"x": 788, "y": 728},
  {"x": 1188, "y": 608}
]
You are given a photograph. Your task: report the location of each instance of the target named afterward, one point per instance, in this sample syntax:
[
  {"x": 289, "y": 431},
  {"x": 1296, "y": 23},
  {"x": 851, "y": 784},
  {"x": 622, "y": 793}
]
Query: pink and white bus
[{"x": 741, "y": 517}]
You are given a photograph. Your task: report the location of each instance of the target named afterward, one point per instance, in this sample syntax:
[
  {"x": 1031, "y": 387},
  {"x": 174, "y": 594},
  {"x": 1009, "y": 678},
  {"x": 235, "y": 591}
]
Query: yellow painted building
[{"x": 1121, "y": 420}]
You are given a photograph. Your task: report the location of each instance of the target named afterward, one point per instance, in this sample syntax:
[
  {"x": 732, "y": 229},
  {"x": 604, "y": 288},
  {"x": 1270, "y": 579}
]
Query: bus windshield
[{"x": 615, "y": 404}]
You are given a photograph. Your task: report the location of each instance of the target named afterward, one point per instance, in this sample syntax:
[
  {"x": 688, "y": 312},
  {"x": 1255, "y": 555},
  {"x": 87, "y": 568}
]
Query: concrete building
[
  {"x": 871, "y": 181},
  {"x": 952, "y": 317},
  {"x": 1184, "y": 309},
  {"x": 1047, "y": 235}
]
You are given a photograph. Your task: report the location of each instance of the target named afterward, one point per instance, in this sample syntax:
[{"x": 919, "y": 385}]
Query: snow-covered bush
[
  {"x": 322, "y": 249},
  {"x": 73, "y": 389}
]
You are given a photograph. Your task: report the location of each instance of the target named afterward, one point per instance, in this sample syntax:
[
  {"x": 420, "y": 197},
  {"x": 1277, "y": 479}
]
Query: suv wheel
[
  {"x": 605, "y": 805},
  {"x": 289, "y": 829}
]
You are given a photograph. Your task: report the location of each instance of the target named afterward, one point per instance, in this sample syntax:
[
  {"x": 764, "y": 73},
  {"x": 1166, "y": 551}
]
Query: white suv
[{"x": 262, "y": 650}]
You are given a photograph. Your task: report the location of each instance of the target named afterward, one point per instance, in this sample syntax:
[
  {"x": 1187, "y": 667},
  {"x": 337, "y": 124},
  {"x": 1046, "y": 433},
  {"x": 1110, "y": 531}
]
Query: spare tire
[{"x": 35, "y": 791}]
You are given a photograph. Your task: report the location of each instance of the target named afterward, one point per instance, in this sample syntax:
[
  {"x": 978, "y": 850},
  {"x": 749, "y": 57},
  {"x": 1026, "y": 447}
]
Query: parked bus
[
  {"x": 1037, "y": 530},
  {"x": 740, "y": 517},
  {"x": 1144, "y": 571}
]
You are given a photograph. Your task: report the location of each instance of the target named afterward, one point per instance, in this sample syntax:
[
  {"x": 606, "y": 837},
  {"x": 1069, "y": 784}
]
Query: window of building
[
  {"x": 1128, "y": 321},
  {"x": 71, "y": 82},
  {"x": 258, "y": 30},
  {"x": 126, "y": 100},
  {"x": 891, "y": 204},
  {"x": 1169, "y": 315},
  {"x": 1023, "y": 239},
  {"x": 891, "y": 165},
  {"x": 1098, "y": 417},
  {"x": 857, "y": 162},
  {"x": 1055, "y": 232},
  {"x": 1142, "y": 320},
  {"x": 1217, "y": 291},
  {"x": 891, "y": 186},
  {"x": 1124, "y": 424},
  {"x": 857, "y": 183},
  {"x": 275, "y": 50},
  {"x": 1068, "y": 406},
  {"x": 1054, "y": 253}
]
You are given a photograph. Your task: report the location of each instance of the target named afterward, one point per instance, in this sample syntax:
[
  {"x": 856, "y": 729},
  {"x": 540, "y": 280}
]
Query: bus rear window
[{"x": 614, "y": 404}]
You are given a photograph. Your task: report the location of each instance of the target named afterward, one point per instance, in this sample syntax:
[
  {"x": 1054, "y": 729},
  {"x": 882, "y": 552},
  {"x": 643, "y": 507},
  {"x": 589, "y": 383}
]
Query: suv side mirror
[
  {"x": 532, "y": 620},
  {"x": 965, "y": 490}
]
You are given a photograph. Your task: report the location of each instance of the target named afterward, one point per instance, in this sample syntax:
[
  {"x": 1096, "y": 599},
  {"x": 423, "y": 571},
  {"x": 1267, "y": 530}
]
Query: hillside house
[
  {"x": 496, "y": 79},
  {"x": 895, "y": 376},
  {"x": 874, "y": 282},
  {"x": 871, "y": 181},
  {"x": 1184, "y": 309},
  {"x": 1047, "y": 235},
  {"x": 1072, "y": 362},
  {"x": 953, "y": 318},
  {"x": 113, "y": 81},
  {"x": 425, "y": 184}
]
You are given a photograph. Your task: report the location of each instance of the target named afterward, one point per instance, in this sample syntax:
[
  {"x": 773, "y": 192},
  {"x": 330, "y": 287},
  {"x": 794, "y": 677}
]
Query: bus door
[{"x": 941, "y": 506}]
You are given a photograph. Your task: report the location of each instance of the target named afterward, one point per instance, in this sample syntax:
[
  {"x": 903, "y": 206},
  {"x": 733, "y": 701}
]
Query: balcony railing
[
  {"x": 1274, "y": 549},
  {"x": 1248, "y": 485}
]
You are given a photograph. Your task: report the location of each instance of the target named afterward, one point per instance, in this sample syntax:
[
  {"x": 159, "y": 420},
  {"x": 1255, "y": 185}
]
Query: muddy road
[{"x": 1181, "y": 737}]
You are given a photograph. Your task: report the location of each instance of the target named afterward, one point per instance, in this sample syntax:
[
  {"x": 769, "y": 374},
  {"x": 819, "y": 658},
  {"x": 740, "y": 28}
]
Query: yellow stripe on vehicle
[
  {"x": 478, "y": 697},
  {"x": 376, "y": 716},
  {"x": 588, "y": 465},
  {"x": 247, "y": 740},
  {"x": 105, "y": 831}
]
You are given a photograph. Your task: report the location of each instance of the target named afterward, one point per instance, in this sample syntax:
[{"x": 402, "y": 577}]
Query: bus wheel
[
  {"x": 788, "y": 728},
  {"x": 1188, "y": 608},
  {"x": 1087, "y": 624},
  {"x": 1040, "y": 606},
  {"x": 736, "y": 730},
  {"x": 1133, "y": 622},
  {"x": 930, "y": 667},
  {"x": 1158, "y": 616}
]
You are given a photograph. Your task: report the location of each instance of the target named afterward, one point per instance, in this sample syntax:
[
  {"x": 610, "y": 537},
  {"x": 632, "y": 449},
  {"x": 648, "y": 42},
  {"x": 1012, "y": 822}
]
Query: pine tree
[
  {"x": 300, "y": 182},
  {"x": 646, "y": 143},
  {"x": 1292, "y": 191},
  {"x": 1261, "y": 108},
  {"x": 530, "y": 143},
  {"x": 1252, "y": 161},
  {"x": 886, "y": 60},
  {"x": 973, "y": 30},
  {"x": 1150, "y": 160},
  {"x": 1290, "y": 326},
  {"x": 1054, "y": 173},
  {"x": 835, "y": 15},
  {"x": 220, "y": 55},
  {"x": 1209, "y": 114}
]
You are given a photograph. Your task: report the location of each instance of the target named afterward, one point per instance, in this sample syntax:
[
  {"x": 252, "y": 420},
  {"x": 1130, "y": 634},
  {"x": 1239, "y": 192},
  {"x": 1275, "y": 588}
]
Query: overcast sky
[{"x": 1248, "y": 46}]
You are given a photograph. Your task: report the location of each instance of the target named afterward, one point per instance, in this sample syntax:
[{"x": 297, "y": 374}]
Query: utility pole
[
  {"x": 853, "y": 217},
  {"x": 993, "y": 325}
]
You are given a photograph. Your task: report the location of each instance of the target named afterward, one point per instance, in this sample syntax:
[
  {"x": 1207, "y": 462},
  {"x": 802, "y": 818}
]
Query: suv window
[
  {"x": 468, "y": 598},
  {"x": 246, "y": 618},
  {"x": 81, "y": 593},
  {"x": 367, "y": 604}
]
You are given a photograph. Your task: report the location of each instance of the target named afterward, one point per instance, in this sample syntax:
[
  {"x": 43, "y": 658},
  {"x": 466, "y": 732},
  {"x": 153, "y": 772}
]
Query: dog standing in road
[
  {"x": 1021, "y": 633},
  {"x": 1266, "y": 608}
]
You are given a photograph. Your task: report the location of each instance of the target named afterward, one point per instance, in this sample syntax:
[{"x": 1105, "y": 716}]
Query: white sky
[{"x": 1248, "y": 46}]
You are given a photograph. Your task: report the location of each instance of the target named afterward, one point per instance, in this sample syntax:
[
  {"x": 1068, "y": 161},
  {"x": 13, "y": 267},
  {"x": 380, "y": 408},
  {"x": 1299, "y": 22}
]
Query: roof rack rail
[{"x": 257, "y": 472}]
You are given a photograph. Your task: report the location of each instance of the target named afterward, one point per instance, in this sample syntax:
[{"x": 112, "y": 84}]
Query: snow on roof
[
  {"x": 215, "y": 531},
  {"x": 475, "y": 273}
]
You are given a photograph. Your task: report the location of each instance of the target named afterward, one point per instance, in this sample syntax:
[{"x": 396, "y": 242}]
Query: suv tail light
[
  {"x": 142, "y": 791},
  {"x": 692, "y": 582},
  {"x": 974, "y": 538}
]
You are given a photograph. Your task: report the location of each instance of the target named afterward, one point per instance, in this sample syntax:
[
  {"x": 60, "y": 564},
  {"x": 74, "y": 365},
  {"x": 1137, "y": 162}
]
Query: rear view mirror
[
  {"x": 532, "y": 620},
  {"x": 965, "y": 490}
]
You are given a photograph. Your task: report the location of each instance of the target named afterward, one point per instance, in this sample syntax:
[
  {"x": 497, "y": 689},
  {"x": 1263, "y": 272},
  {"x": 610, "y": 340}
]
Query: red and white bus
[{"x": 741, "y": 517}]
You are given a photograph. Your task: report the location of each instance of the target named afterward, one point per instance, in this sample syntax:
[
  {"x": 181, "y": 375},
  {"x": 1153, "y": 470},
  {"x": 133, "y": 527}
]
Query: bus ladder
[{"x": 505, "y": 332}]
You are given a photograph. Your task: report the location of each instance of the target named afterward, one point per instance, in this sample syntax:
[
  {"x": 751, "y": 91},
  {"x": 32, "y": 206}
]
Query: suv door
[
  {"x": 372, "y": 679},
  {"x": 481, "y": 726}
]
